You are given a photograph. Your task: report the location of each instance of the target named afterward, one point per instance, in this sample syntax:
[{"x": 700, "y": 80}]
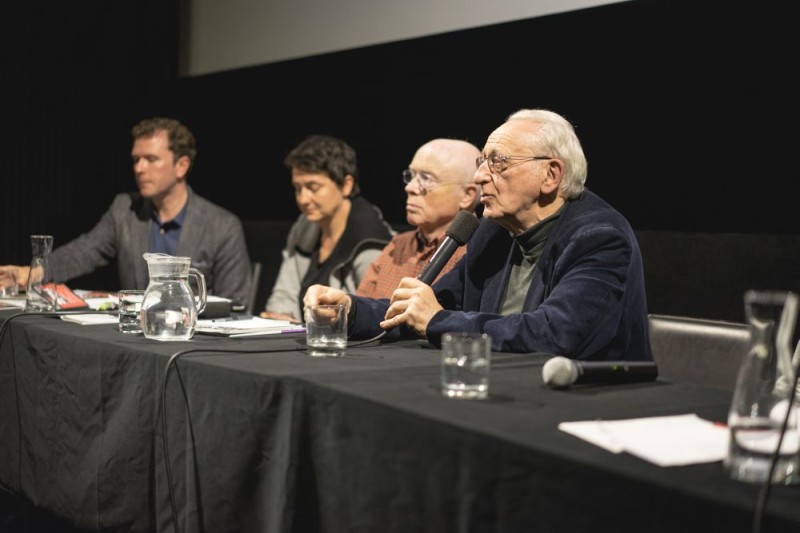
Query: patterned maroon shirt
[{"x": 405, "y": 256}]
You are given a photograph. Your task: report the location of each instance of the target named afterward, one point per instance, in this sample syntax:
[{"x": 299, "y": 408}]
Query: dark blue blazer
[{"x": 586, "y": 300}]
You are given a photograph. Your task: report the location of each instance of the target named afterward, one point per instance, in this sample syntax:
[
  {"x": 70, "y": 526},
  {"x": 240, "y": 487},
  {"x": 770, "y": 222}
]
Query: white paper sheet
[
  {"x": 91, "y": 319},
  {"x": 664, "y": 441}
]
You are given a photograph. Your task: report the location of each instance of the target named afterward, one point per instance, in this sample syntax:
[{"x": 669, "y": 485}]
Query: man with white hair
[{"x": 551, "y": 268}]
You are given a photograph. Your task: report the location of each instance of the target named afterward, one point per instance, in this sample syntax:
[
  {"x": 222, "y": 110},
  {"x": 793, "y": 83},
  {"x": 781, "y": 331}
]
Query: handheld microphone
[
  {"x": 560, "y": 372},
  {"x": 457, "y": 234}
]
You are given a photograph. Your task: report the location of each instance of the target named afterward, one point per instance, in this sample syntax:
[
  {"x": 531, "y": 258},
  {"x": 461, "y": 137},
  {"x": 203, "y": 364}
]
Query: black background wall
[
  {"x": 686, "y": 109},
  {"x": 681, "y": 105},
  {"x": 75, "y": 78}
]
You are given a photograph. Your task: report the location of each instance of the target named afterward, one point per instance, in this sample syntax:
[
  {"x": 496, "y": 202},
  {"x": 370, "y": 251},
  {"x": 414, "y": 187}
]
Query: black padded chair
[{"x": 702, "y": 351}]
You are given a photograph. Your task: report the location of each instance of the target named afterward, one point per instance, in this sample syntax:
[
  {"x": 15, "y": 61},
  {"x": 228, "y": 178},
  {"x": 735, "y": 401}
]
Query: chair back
[{"x": 702, "y": 351}]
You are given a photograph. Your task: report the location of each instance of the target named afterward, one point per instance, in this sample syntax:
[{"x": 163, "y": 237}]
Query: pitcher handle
[{"x": 202, "y": 296}]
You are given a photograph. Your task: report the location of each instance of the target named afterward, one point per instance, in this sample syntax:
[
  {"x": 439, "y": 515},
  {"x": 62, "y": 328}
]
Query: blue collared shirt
[{"x": 164, "y": 236}]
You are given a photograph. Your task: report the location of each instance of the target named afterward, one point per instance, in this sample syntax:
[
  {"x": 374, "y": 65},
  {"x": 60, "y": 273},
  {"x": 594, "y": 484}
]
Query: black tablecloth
[{"x": 278, "y": 441}]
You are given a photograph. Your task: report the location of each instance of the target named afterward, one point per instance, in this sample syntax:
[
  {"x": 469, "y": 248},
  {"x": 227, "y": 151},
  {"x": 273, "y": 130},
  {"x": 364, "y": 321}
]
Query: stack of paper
[
  {"x": 233, "y": 327},
  {"x": 12, "y": 302}
]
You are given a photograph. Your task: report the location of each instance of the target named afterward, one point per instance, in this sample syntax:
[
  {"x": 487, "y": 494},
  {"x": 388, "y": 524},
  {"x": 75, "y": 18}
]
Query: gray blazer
[{"x": 212, "y": 236}]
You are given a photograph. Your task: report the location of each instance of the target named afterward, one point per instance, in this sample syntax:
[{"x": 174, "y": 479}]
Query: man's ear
[
  {"x": 555, "y": 173},
  {"x": 182, "y": 166},
  {"x": 470, "y": 199}
]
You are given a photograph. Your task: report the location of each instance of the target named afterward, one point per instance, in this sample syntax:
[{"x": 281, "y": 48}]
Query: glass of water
[
  {"x": 130, "y": 306},
  {"x": 326, "y": 330},
  {"x": 466, "y": 359}
]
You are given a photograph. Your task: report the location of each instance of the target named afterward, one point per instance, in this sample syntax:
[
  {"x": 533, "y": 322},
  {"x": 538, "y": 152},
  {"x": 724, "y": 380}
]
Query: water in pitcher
[{"x": 170, "y": 308}]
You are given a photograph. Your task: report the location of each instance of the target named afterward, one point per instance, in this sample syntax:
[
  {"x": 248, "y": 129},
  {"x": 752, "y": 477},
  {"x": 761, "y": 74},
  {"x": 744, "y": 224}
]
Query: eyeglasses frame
[
  {"x": 503, "y": 160},
  {"x": 425, "y": 180}
]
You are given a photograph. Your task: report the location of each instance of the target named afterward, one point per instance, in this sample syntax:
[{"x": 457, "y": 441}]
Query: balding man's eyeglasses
[
  {"x": 426, "y": 181},
  {"x": 498, "y": 163}
]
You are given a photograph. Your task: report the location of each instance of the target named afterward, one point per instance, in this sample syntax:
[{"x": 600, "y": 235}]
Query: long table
[{"x": 272, "y": 440}]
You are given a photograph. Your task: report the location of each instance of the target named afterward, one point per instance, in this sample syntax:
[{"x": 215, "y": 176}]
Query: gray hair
[{"x": 557, "y": 138}]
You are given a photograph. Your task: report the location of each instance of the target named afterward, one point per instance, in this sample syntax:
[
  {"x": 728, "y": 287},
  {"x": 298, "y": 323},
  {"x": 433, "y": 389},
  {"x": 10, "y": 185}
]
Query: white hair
[{"x": 557, "y": 138}]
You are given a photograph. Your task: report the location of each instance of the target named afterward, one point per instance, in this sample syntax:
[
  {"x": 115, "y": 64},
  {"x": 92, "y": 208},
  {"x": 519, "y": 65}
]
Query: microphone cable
[
  {"x": 377, "y": 337},
  {"x": 766, "y": 487},
  {"x": 163, "y": 411}
]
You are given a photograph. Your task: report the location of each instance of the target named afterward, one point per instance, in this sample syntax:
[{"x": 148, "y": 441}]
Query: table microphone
[
  {"x": 560, "y": 372},
  {"x": 457, "y": 234}
]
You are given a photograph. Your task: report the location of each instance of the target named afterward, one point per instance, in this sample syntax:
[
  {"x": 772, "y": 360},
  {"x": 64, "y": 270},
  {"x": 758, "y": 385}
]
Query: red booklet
[{"x": 66, "y": 298}]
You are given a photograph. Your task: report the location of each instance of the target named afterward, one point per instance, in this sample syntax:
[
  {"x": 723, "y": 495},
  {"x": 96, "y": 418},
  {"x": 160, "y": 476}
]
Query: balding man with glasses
[
  {"x": 438, "y": 185},
  {"x": 551, "y": 268}
]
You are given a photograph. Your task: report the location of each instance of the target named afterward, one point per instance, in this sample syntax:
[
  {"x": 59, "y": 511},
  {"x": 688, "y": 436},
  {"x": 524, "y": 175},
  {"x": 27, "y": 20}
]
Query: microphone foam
[
  {"x": 559, "y": 372},
  {"x": 462, "y": 227}
]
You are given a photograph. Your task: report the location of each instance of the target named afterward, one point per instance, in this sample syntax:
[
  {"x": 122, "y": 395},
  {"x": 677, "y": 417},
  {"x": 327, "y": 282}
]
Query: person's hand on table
[{"x": 323, "y": 295}]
